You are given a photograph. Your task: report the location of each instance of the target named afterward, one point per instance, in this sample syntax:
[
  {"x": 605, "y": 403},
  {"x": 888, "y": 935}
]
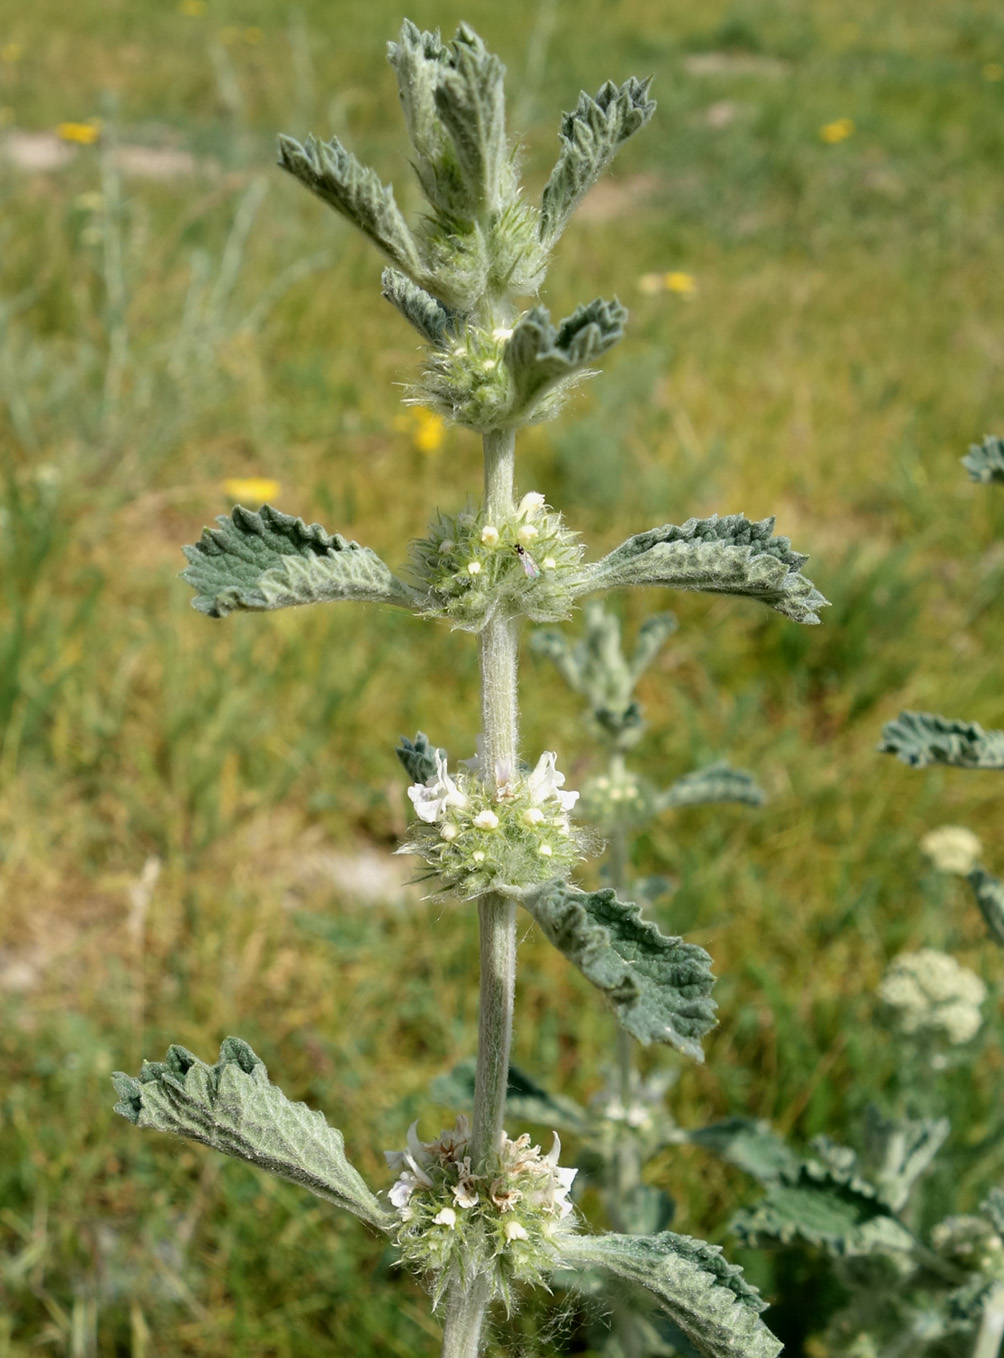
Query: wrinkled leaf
[
  {"x": 729, "y": 555},
  {"x": 897, "y": 1151},
  {"x": 233, "y": 1108},
  {"x": 338, "y": 179},
  {"x": 716, "y": 783},
  {"x": 471, "y": 105},
  {"x": 433, "y": 321},
  {"x": 539, "y": 355},
  {"x": 922, "y": 738},
  {"x": 989, "y": 893},
  {"x": 702, "y": 1293},
  {"x": 419, "y": 757},
  {"x": 526, "y": 1100},
  {"x": 660, "y": 987},
  {"x": 751, "y": 1146},
  {"x": 653, "y": 634},
  {"x": 590, "y": 137},
  {"x": 269, "y": 560},
  {"x": 985, "y": 461}
]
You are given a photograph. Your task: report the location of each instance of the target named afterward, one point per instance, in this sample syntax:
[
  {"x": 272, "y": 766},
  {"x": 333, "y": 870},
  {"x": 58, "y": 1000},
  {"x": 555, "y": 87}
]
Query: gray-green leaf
[
  {"x": 433, "y": 321},
  {"x": 660, "y": 987},
  {"x": 590, "y": 137},
  {"x": 897, "y": 1151},
  {"x": 751, "y": 1146},
  {"x": 338, "y": 179},
  {"x": 471, "y": 104},
  {"x": 419, "y": 757},
  {"x": 989, "y": 893},
  {"x": 922, "y": 738},
  {"x": 539, "y": 355},
  {"x": 716, "y": 783},
  {"x": 729, "y": 555},
  {"x": 233, "y": 1108},
  {"x": 700, "y": 1291},
  {"x": 269, "y": 560},
  {"x": 985, "y": 461}
]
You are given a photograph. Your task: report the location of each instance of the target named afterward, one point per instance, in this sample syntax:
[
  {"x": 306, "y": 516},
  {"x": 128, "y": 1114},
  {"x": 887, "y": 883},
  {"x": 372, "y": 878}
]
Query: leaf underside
[
  {"x": 233, "y": 1108},
  {"x": 985, "y": 461},
  {"x": 660, "y": 987},
  {"x": 717, "y": 555},
  {"x": 922, "y": 738},
  {"x": 266, "y": 560},
  {"x": 718, "y": 1312}
]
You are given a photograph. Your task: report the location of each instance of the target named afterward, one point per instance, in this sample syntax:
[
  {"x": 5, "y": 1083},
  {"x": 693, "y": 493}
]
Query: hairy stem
[
  {"x": 988, "y": 1341},
  {"x": 466, "y": 1304}
]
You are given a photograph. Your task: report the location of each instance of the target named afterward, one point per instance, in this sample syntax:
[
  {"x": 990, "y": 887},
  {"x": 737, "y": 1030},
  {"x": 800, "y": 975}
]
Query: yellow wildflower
[
  {"x": 84, "y": 134},
  {"x": 254, "y": 489},
  {"x": 426, "y": 430},
  {"x": 253, "y": 36},
  {"x": 11, "y": 52},
  {"x": 840, "y": 130},
  {"x": 194, "y": 9},
  {"x": 993, "y": 70},
  {"x": 683, "y": 283}
]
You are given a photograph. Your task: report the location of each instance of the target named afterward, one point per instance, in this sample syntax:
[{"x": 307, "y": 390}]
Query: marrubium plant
[{"x": 477, "y": 1212}]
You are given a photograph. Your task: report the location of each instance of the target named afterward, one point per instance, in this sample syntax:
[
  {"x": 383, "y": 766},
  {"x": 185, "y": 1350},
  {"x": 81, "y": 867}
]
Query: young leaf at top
[
  {"x": 540, "y": 355},
  {"x": 707, "y": 1297},
  {"x": 660, "y": 987},
  {"x": 716, "y": 783},
  {"x": 267, "y": 560},
  {"x": 233, "y": 1108},
  {"x": 922, "y": 738},
  {"x": 591, "y": 136},
  {"x": 419, "y": 757},
  {"x": 985, "y": 461},
  {"x": 338, "y": 179},
  {"x": 989, "y": 893},
  {"x": 727, "y": 555},
  {"x": 471, "y": 105}
]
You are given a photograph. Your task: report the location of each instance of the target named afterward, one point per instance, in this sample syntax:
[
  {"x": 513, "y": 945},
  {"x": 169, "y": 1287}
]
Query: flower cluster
[
  {"x": 952, "y": 848},
  {"x": 972, "y": 1242},
  {"x": 484, "y": 837},
  {"x": 618, "y": 800},
  {"x": 474, "y": 569},
  {"x": 457, "y": 1224},
  {"x": 929, "y": 994}
]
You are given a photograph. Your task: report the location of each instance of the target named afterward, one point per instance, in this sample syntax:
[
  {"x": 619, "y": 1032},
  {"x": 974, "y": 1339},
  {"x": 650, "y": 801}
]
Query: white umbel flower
[
  {"x": 928, "y": 992},
  {"x": 952, "y": 848}
]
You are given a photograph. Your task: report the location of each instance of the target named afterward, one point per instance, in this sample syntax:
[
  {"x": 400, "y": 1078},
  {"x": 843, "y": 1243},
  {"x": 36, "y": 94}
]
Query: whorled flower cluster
[
  {"x": 506, "y": 1221},
  {"x": 474, "y": 569},
  {"x": 618, "y": 800},
  {"x": 972, "y": 1242},
  {"x": 929, "y": 994},
  {"x": 483, "y": 836}
]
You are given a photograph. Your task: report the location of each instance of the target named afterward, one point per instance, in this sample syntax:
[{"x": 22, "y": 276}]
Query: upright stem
[{"x": 466, "y": 1303}]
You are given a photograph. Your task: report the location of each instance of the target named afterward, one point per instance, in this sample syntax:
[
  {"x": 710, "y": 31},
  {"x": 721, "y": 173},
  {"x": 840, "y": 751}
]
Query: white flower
[
  {"x": 445, "y": 1217},
  {"x": 449, "y": 831},
  {"x": 514, "y": 1231},
  {"x": 527, "y": 533},
  {"x": 545, "y": 850},
  {"x": 545, "y": 781},
  {"x": 486, "y": 820},
  {"x": 501, "y": 333},
  {"x": 549, "y": 563},
  {"x": 490, "y": 535},
  {"x": 952, "y": 848},
  {"x": 474, "y": 568},
  {"x": 530, "y": 505},
  {"x": 532, "y": 816},
  {"x": 431, "y": 799},
  {"x": 446, "y": 546},
  {"x": 930, "y": 992}
]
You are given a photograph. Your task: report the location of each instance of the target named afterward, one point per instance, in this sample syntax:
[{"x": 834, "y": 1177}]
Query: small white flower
[
  {"x": 478, "y": 856},
  {"x": 545, "y": 782},
  {"x": 514, "y": 1231},
  {"x": 952, "y": 848},
  {"x": 545, "y": 851},
  {"x": 490, "y": 535},
  {"x": 489, "y": 364},
  {"x": 431, "y": 799},
  {"x": 449, "y": 831},
  {"x": 501, "y": 333},
  {"x": 446, "y": 1216},
  {"x": 549, "y": 563},
  {"x": 486, "y": 820},
  {"x": 474, "y": 568},
  {"x": 532, "y": 816},
  {"x": 527, "y": 533},
  {"x": 446, "y": 546},
  {"x": 530, "y": 505}
]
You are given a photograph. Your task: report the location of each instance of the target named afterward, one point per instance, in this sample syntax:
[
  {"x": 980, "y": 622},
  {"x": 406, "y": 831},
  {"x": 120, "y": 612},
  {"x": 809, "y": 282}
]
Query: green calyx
[{"x": 472, "y": 570}]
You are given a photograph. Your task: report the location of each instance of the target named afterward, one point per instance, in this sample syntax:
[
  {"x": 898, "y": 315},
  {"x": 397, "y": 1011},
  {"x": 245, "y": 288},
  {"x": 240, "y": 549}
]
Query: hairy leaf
[
  {"x": 749, "y": 1145},
  {"x": 269, "y": 560},
  {"x": 471, "y": 105},
  {"x": 590, "y": 137},
  {"x": 716, "y": 783},
  {"x": 985, "y": 461},
  {"x": 824, "y": 1206},
  {"x": 702, "y": 1293},
  {"x": 433, "y": 321},
  {"x": 989, "y": 893},
  {"x": 897, "y": 1151},
  {"x": 339, "y": 180},
  {"x": 660, "y": 987},
  {"x": 727, "y": 555},
  {"x": 233, "y": 1108},
  {"x": 922, "y": 738},
  {"x": 539, "y": 355},
  {"x": 419, "y": 757},
  {"x": 653, "y": 634},
  {"x": 526, "y": 1101}
]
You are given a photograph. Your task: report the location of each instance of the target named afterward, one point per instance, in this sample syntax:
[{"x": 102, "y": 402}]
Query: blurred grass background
[{"x": 195, "y": 818}]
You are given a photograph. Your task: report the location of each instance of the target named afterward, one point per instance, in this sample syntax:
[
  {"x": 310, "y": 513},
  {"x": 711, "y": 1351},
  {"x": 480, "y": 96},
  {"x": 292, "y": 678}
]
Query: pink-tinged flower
[{"x": 432, "y": 799}]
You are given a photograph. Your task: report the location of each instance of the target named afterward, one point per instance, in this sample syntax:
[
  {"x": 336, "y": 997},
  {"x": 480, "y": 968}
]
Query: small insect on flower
[{"x": 530, "y": 568}]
